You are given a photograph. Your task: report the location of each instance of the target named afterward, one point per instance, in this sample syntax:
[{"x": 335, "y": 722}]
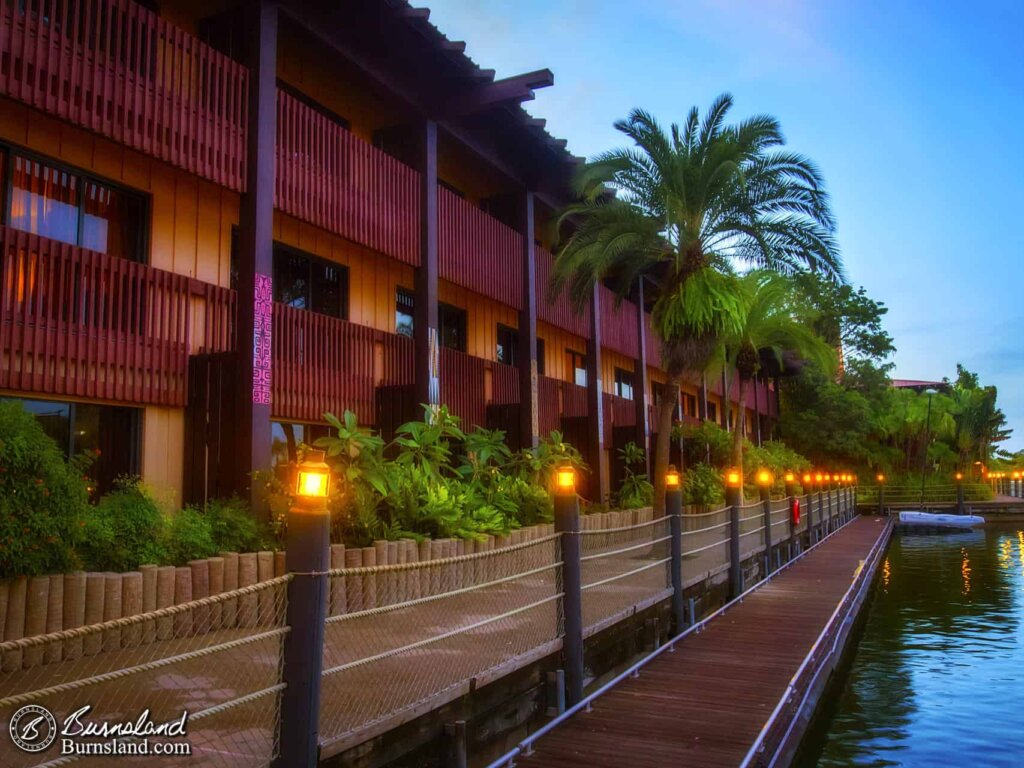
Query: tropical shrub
[
  {"x": 124, "y": 530},
  {"x": 636, "y": 490},
  {"x": 705, "y": 443},
  {"x": 233, "y": 527},
  {"x": 43, "y": 498},
  {"x": 187, "y": 536},
  {"x": 703, "y": 486}
]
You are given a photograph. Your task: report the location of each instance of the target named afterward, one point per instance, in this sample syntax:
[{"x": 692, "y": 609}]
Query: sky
[{"x": 914, "y": 112}]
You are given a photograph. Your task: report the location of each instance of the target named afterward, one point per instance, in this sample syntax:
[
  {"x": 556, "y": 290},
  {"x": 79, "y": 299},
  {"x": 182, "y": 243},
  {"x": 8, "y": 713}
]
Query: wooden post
[
  {"x": 425, "y": 323},
  {"x": 529, "y": 418},
  {"x": 595, "y": 406},
  {"x": 732, "y": 499},
  {"x": 567, "y": 523},
  {"x": 255, "y": 250}
]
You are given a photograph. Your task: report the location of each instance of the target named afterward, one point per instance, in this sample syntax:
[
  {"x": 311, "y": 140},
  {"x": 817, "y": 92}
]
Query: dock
[{"x": 737, "y": 689}]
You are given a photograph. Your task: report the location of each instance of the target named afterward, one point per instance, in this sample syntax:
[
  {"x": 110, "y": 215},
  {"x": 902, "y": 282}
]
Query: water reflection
[{"x": 937, "y": 674}]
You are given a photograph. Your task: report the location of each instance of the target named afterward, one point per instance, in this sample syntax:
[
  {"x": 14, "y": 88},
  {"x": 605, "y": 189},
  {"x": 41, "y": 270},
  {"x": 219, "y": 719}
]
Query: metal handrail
[
  {"x": 525, "y": 747},
  {"x": 858, "y": 582}
]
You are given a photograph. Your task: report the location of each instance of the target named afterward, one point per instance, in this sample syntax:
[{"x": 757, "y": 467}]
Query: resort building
[{"x": 219, "y": 221}]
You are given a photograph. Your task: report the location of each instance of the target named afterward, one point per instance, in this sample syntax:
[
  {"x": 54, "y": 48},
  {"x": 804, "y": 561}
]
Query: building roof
[{"x": 918, "y": 384}]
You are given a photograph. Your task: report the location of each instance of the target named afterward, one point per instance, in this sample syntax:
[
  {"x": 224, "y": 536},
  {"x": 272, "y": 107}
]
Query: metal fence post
[
  {"x": 674, "y": 510},
  {"x": 733, "y": 489},
  {"x": 567, "y": 523},
  {"x": 881, "y": 498},
  {"x": 765, "y": 492},
  {"x": 307, "y": 547}
]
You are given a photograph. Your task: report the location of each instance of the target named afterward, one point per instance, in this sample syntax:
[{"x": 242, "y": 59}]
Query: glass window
[
  {"x": 111, "y": 433},
  {"x": 689, "y": 404},
  {"x": 286, "y": 438},
  {"x": 577, "y": 364},
  {"x": 60, "y": 204},
  {"x": 306, "y": 282},
  {"x": 452, "y": 322},
  {"x": 624, "y": 383},
  {"x": 540, "y": 356},
  {"x": 111, "y": 221},
  {"x": 508, "y": 343},
  {"x": 404, "y": 305},
  {"x": 44, "y": 200},
  {"x": 712, "y": 412}
]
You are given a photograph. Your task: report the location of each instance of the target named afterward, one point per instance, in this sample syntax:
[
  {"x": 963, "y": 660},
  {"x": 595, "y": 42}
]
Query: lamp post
[
  {"x": 674, "y": 510},
  {"x": 764, "y": 489},
  {"x": 959, "y": 493},
  {"x": 307, "y": 547},
  {"x": 567, "y": 523},
  {"x": 880, "y": 478},
  {"x": 927, "y": 440},
  {"x": 734, "y": 497}
]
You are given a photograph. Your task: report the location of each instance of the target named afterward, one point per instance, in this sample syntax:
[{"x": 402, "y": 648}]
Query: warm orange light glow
[
  {"x": 818, "y": 478},
  {"x": 764, "y": 477},
  {"x": 789, "y": 477},
  {"x": 807, "y": 479},
  {"x": 313, "y": 477},
  {"x": 672, "y": 479},
  {"x": 959, "y": 476},
  {"x": 565, "y": 478},
  {"x": 733, "y": 478},
  {"x": 1016, "y": 475},
  {"x": 880, "y": 477}
]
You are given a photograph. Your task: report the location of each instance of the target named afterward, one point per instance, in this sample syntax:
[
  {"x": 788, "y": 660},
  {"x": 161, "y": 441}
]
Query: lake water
[{"x": 937, "y": 678}]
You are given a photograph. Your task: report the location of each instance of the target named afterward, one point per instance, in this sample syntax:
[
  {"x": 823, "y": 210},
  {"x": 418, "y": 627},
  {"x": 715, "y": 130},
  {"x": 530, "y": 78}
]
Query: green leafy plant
[
  {"x": 124, "y": 530},
  {"x": 233, "y": 527},
  {"x": 43, "y": 498},
  {"x": 188, "y": 535},
  {"x": 636, "y": 490},
  {"x": 703, "y": 486},
  {"x": 705, "y": 443}
]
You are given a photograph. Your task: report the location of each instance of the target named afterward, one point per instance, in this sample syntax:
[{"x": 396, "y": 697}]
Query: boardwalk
[{"x": 704, "y": 704}]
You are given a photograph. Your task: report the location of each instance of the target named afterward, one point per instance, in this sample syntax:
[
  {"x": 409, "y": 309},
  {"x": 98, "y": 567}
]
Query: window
[
  {"x": 540, "y": 356},
  {"x": 404, "y": 305},
  {"x": 508, "y": 345},
  {"x": 624, "y": 383},
  {"x": 58, "y": 203},
  {"x": 87, "y": 427},
  {"x": 577, "y": 365},
  {"x": 306, "y": 282},
  {"x": 712, "y": 412},
  {"x": 285, "y": 439},
  {"x": 452, "y": 322},
  {"x": 689, "y": 405}
]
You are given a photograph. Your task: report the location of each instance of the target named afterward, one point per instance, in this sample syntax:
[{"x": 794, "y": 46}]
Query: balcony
[
  {"x": 478, "y": 252},
  {"x": 329, "y": 177},
  {"x": 78, "y": 323},
  {"x": 618, "y": 324},
  {"x": 559, "y": 312},
  {"x": 120, "y": 70}
]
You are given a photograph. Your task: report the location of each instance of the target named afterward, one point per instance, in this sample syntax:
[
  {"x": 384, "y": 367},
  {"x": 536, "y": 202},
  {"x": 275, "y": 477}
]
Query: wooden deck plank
[{"x": 705, "y": 703}]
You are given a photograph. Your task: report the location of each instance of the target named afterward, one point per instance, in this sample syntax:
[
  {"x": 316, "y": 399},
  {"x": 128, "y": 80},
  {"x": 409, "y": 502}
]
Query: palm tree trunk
[
  {"x": 739, "y": 427},
  {"x": 669, "y": 399}
]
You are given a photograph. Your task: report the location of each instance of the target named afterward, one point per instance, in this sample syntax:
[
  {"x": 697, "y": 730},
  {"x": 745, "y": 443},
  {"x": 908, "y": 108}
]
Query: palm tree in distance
[
  {"x": 682, "y": 210},
  {"x": 770, "y": 321}
]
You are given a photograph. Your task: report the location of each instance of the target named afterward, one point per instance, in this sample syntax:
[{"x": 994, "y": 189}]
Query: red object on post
[{"x": 794, "y": 509}]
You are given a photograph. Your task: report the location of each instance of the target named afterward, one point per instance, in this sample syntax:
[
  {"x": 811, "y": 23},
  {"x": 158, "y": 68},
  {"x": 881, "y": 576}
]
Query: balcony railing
[
  {"x": 618, "y": 324},
  {"x": 321, "y": 364},
  {"x": 79, "y": 323},
  {"x": 462, "y": 386},
  {"x": 652, "y": 343},
  {"x": 559, "y": 312},
  {"x": 118, "y": 69},
  {"x": 331, "y": 178},
  {"x": 478, "y": 252},
  {"x": 504, "y": 384}
]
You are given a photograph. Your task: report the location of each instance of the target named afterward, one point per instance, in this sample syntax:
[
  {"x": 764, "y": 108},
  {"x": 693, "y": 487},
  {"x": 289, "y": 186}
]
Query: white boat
[{"x": 935, "y": 520}]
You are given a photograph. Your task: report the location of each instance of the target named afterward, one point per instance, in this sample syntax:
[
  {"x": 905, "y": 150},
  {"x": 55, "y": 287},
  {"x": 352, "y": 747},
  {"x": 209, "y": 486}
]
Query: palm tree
[
  {"x": 680, "y": 209},
  {"x": 770, "y": 321}
]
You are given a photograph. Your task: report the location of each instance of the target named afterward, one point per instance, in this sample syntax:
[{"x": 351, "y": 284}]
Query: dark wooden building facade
[{"x": 219, "y": 221}]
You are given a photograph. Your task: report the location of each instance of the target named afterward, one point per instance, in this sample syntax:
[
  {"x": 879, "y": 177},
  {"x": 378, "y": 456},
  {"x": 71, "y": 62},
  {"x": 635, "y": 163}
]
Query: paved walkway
[{"x": 704, "y": 704}]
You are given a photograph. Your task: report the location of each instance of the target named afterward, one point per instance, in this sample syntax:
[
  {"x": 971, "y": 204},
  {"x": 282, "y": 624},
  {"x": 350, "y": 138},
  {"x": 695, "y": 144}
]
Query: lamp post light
[
  {"x": 733, "y": 498},
  {"x": 880, "y": 479},
  {"x": 959, "y": 477},
  {"x": 307, "y": 547},
  {"x": 765, "y": 479},
  {"x": 674, "y": 511},
  {"x": 567, "y": 523},
  {"x": 789, "y": 484}
]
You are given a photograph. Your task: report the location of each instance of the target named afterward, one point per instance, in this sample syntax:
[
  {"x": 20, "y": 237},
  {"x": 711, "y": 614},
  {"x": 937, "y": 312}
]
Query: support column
[
  {"x": 595, "y": 405},
  {"x": 643, "y": 427},
  {"x": 427, "y": 342},
  {"x": 529, "y": 415},
  {"x": 702, "y": 398},
  {"x": 256, "y": 249}
]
